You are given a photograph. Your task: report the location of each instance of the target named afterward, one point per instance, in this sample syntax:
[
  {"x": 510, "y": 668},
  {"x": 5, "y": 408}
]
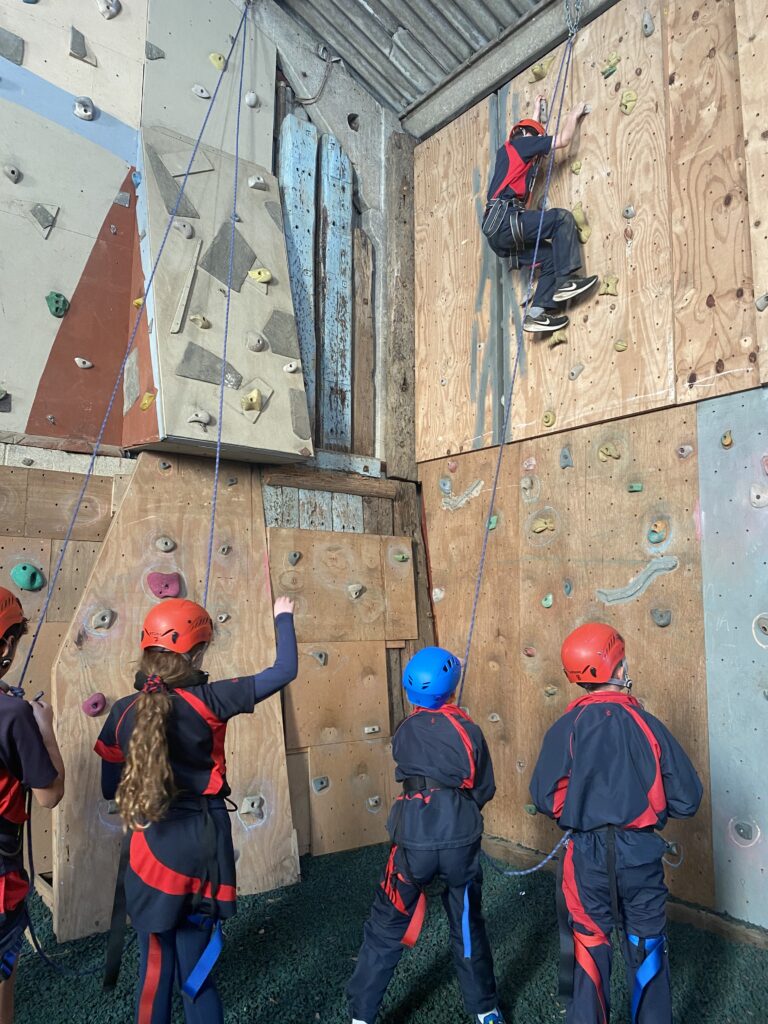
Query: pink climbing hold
[
  {"x": 764, "y": 461},
  {"x": 164, "y": 584},
  {"x": 94, "y": 705}
]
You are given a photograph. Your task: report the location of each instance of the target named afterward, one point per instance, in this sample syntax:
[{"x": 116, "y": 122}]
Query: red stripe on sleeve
[
  {"x": 218, "y": 729},
  {"x": 111, "y": 753}
]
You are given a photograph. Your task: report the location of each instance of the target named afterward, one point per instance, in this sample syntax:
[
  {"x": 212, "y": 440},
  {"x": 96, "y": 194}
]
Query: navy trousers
[
  {"x": 642, "y": 898},
  {"x": 394, "y": 905},
  {"x": 559, "y": 254},
  {"x": 166, "y": 961}
]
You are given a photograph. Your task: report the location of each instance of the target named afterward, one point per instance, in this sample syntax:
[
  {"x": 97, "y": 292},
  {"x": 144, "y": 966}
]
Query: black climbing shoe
[
  {"x": 545, "y": 323},
  {"x": 574, "y": 286}
]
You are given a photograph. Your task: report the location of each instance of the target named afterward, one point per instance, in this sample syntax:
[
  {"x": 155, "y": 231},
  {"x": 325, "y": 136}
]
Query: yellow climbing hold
[
  {"x": 609, "y": 285},
  {"x": 610, "y": 65},
  {"x": 201, "y": 321},
  {"x": 628, "y": 101},
  {"x": 727, "y": 439},
  {"x": 608, "y": 451},
  {"x": 548, "y": 419},
  {"x": 138, "y": 303},
  {"x": 581, "y": 223},
  {"x": 543, "y": 524},
  {"x": 620, "y": 345},
  {"x": 558, "y": 338},
  {"x": 576, "y": 167},
  {"x": 147, "y": 399},
  {"x": 218, "y": 60},
  {"x": 253, "y": 401},
  {"x": 541, "y": 70},
  {"x": 261, "y": 275}
]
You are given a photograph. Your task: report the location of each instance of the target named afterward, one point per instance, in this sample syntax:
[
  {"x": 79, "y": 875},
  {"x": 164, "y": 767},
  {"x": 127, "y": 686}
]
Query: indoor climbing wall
[
  {"x": 156, "y": 548},
  {"x": 355, "y": 599},
  {"x": 603, "y": 523},
  {"x": 670, "y": 228}
]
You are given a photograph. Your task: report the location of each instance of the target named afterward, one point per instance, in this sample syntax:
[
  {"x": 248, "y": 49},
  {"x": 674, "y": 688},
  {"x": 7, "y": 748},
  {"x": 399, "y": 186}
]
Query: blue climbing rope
[
  {"x": 511, "y": 873},
  {"x": 562, "y": 73},
  {"x": 226, "y": 332},
  {"x": 102, "y": 429}
]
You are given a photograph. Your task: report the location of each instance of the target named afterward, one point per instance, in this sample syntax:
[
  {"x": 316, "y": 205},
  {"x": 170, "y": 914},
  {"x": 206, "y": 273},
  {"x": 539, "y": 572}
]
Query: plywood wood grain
[
  {"x": 298, "y": 784},
  {"x": 13, "y": 500},
  {"x": 72, "y": 579},
  {"x": 51, "y": 500}
]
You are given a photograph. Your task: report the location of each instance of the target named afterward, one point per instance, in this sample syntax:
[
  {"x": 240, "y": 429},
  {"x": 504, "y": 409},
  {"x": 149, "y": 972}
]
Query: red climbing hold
[
  {"x": 94, "y": 705},
  {"x": 164, "y": 584}
]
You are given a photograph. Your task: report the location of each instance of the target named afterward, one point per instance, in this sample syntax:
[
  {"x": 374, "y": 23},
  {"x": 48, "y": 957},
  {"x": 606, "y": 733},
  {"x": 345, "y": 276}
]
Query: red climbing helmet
[
  {"x": 176, "y": 625},
  {"x": 11, "y": 612},
  {"x": 592, "y": 653},
  {"x": 528, "y": 124}
]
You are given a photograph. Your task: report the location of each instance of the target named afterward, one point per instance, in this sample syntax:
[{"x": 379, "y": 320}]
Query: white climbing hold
[
  {"x": 109, "y": 9},
  {"x": 201, "y": 321},
  {"x": 184, "y": 228},
  {"x": 200, "y": 416},
  {"x": 291, "y": 367},
  {"x": 84, "y": 108},
  {"x": 437, "y": 594},
  {"x": 251, "y": 99},
  {"x": 201, "y": 92},
  {"x": 257, "y": 181},
  {"x": 222, "y": 617},
  {"x": 758, "y": 496},
  {"x": 648, "y": 25},
  {"x": 762, "y": 303},
  {"x": 84, "y": 364},
  {"x": 574, "y": 371},
  {"x": 12, "y": 173}
]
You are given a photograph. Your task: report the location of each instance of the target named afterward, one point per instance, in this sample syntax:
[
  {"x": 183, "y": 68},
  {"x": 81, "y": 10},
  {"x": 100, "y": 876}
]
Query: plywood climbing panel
[{"x": 170, "y": 498}]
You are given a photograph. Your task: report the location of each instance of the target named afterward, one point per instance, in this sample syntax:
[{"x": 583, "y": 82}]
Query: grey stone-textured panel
[
  {"x": 280, "y": 334},
  {"x": 123, "y": 199},
  {"x": 178, "y": 161},
  {"x": 299, "y": 415},
  {"x": 152, "y": 52},
  {"x": 169, "y": 190},
  {"x": 131, "y": 380},
  {"x": 215, "y": 259},
  {"x": 11, "y": 47},
  {"x": 198, "y": 363},
  {"x": 44, "y": 217},
  {"x": 6, "y": 403},
  {"x": 274, "y": 211}
]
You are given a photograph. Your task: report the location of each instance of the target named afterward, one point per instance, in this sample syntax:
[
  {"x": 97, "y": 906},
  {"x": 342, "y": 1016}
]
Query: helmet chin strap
[{"x": 625, "y": 681}]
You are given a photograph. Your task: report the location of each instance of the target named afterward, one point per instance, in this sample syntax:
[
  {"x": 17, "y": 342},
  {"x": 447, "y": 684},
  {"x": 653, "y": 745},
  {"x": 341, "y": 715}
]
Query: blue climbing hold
[
  {"x": 445, "y": 484},
  {"x": 27, "y": 577},
  {"x": 567, "y": 587},
  {"x": 566, "y": 459},
  {"x": 136, "y": 178}
]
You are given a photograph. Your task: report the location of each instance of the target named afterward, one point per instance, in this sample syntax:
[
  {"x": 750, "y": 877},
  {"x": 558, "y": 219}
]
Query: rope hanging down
[
  {"x": 121, "y": 370},
  {"x": 561, "y": 74}
]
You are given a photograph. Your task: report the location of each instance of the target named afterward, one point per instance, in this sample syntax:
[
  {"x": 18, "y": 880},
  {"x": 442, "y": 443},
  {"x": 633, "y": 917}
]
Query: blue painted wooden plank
[
  {"x": 297, "y": 172},
  {"x": 335, "y": 296},
  {"x": 733, "y": 545}
]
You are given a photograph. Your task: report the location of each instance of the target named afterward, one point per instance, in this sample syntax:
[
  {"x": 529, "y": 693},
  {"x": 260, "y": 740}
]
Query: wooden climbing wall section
[
  {"x": 572, "y": 544},
  {"x": 170, "y": 498},
  {"x": 663, "y": 188}
]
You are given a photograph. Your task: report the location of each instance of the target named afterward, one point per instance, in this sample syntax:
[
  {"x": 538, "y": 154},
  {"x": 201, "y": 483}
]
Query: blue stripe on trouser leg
[
  {"x": 652, "y": 963},
  {"x": 207, "y": 961},
  {"x": 465, "y": 925}
]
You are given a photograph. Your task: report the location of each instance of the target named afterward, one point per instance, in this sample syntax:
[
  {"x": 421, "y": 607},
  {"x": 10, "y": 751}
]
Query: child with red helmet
[
  {"x": 613, "y": 774},
  {"x": 29, "y": 759},
  {"x": 163, "y": 759}
]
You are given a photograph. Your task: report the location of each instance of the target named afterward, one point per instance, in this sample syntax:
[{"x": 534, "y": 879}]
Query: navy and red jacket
[
  {"x": 448, "y": 747},
  {"x": 166, "y": 866},
  {"x": 607, "y": 761},
  {"x": 515, "y": 167}
]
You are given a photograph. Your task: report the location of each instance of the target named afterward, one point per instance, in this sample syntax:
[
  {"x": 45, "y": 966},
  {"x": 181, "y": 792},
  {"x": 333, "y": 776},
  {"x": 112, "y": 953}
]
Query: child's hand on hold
[
  {"x": 43, "y": 713},
  {"x": 283, "y": 606}
]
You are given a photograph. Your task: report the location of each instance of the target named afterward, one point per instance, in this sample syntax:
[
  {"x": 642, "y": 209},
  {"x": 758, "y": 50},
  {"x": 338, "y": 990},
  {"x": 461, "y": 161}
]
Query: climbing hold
[
  {"x": 138, "y": 302},
  {"x": 609, "y": 285},
  {"x": 558, "y": 338},
  {"x": 661, "y": 616},
  {"x": 437, "y": 594},
  {"x": 610, "y": 65},
  {"x": 218, "y": 60},
  {"x": 201, "y": 321},
  {"x": 640, "y": 583},
  {"x": 57, "y": 304},
  {"x": 620, "y": 345},
  {"x": 12, "y": 173},
  {"x": 628, "y": 101},
  {"x": 758, "y": 496},
  {"x": 529, "y": 809},
  {"x": 320, "y": 783},
  {"x": 494, "y": 717},
  {"x": 529, "y": 652},
  {"x": 575, "y": 371},
  {"x": 355, "y": 590},
  {"x": 136, "y": 178},
  {"x": 94, "y": 705},
  {"x": 50, "y": 418},
  {"x": 401, "y": 556},
  {"x": 253, "y": 401},
  {"x": 184, "y": 228},
  {"x": 581, "y": 223},
  {"x": 200, "y": 416},
  {"x": 109, "y": 9},
  {"x": 608, "y": 451},
  {"x": 78, "y": 48},
  {"x": 635, "y": 487},
  {"x": 27, "y": 577},
  {"x": 658, "y": 531},
  {"x": 251, "y": 99},
  {"x": 548, "y": 419},
  {"x": 727, "y": 439},
  {"x": 225, "y": 549},
  {"x": 629, "y": 234},
  {"x": 223, "y": 617},
  {"x": 255, "y": 343},
  {"x": 294, "y": 557},
  {"x": 550, "y": 691},
  {"x": 541, "y": 70},
  {"x": 146, "y": 400},
  {"x": 83, "y": 364},
  {"x": 321, "y": 657},
  {"x": 547, "y": 601},
  {"x": 762, "y": 303},
  {"x": 493, "y": 522},
  {"x": 291, "y": 367},
  {"x": 201, "y": 92},
  {"x": 231, "y": 481},
  {"x": 648, "y": 25},
  {"x": 27, "y": 462},
  {"x": 152, "y": 52},
  {"x": 628, "y": 212},
  {"x": 261, "y": 275},
  {"x": 103, "y": 618},
  {"x": 258, "y": 182},
  {"x": 83, "y": 108},
  {"x": 566, "y": 459},
  {"x": 576, "y": 167},
  {"x": 543, "y": 524},
  {"x": 684, "y": 451},
  {"x": 164, "y": 584},
  {"x": 165, "y": 544},
  {"x": 567, "y": 587},
  {"x": 445, "y": 484}
]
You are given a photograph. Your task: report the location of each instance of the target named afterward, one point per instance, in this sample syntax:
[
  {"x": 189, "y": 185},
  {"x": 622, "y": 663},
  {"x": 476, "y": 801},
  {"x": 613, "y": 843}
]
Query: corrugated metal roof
[{"x": 402, "y": 49}]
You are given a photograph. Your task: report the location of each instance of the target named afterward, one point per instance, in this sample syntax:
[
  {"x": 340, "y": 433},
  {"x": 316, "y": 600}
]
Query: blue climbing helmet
[{"x": 431, "y": 676}]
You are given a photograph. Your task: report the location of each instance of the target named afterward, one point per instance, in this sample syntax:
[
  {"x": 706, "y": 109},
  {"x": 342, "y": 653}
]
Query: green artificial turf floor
[{"x": 288, "y": 955}]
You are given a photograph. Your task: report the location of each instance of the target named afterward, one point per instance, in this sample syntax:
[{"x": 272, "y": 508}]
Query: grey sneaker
[
  {"x": 574, "y": 286},
  {"x": 545, "y": 323}
]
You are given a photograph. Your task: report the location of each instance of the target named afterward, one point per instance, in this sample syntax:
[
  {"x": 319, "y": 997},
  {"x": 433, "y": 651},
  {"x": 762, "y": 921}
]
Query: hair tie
[{"x": 154, "y": 684}]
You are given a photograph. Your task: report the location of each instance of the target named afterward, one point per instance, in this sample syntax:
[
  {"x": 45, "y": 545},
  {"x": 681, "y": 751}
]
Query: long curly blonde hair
[{"x": 147, "y": 786}]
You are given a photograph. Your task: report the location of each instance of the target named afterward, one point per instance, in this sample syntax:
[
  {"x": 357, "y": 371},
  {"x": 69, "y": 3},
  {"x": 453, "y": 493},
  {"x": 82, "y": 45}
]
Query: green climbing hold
[
  {"x": 658, "y": 532},
  {"x": 27, "y": 577},
  {"x": 57, "y": 304},
  {"x": 401, "y": 556},
  {"x": 635, "y": 487},
  {"x": 529, "y": 809},
  {"x": 547, "y": 601},
  {"x": 493, "y": 522}
]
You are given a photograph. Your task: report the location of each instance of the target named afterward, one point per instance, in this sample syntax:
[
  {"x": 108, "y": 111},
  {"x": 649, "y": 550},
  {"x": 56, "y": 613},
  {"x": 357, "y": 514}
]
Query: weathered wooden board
[
  {"x": 337, "y": 702},
  {"x": 352, "y": 810},
  {"x": 752, "y": 39},
  {"x": 377, "y": 516},
  {"x": 363, "y": 346},
  {"x": 173, "y": 502},
  {"x": 298, "y": 784},
  {"x": 335, "y": 296},
  {"x": 599, "y": 540},
  {"x": 315, "y": 510},
  {"x": 36, "y": 551},
  {"x": 76, "y": 567},
  {"x": 347, "y": 513},
  {"x": 331, "y": 563},
  {"x": 13, "y": 500},
  {"x": 51, "y": 500},
  {"x": 715, "y": 329}
]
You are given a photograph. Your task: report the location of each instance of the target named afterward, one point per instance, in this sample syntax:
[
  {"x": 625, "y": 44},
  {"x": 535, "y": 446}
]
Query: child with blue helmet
[{"x": 436, "y": 827}]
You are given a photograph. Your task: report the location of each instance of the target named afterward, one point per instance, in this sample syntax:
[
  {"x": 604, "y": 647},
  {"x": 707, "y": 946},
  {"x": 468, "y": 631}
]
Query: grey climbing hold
[
  {"x": 291, "y": 367},
  {"x": 758, "y": 496},
  {"x": 6, "y": 401},
  {"x": 445, "y": 484},
  {"x": 231, "y": 481},
  {"x": 566, "y": 459},
  {"x": 11, "y": 47},
  {"x": 109, "y": 9},
  {"x": 152, "y": 52},
  {"x": 575, "y": 371},
  {"x": 83, "y": 108},
  {"x": 43, "y": 216},
  {"x": 321, "y": 657},
  {"x": 648, "y": 25},
  {"x": 684, "y": 451},
  {"x": 254, "y": 342},
  {"x": 222, "y": 617},
  {"x": 27, "y": 462},
  {"x": 258, "y": 182},
  {"x": 640, "y": 583},
  {"x": 661, "y": 616},
  {"x": 215, "y": 260},
  {"x": 83, "y": 364},
  {"x": 184, "y": 228},
  {"x": 300, "y": 415},
  {"x": 112, "y": 229},
  {"x": 103, "y": 618},
  {"x": 762, "y": 303},
  {"x": 225, "y": 549},
  {"x": 355, "y": 590},
  {"x": 494, "y": 717},
  {"x": 123, "y": 199},
  {"x": 251, "y": 100},
  {"x": 529, "y": 809},
  {"x": 198, "y": 363},
  {"x": 200, "y": 416},
  {"x": 201, "y": 92},
  {"x": 168, "y": 189},
  {"x": 77, "y": 47},
  {"x": 320, "y": 783},
  {"x": 166, "y": 544},
  {"x": 201, "y": 321},
  {"x": 12, "y": 173},
  {"x": 165, "y": 465},
  {"x": 453, "y": 502},
  {"x": 280, "y": 334},
  {"x": 294, "y": 557},
  {"x": 628, "y": 212}
]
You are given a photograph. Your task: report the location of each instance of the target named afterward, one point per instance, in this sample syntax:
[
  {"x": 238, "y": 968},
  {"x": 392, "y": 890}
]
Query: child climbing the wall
[
  {"x": 29, "y": 759},
  {"x": 163, "y": 760},
  {"x": 445, "y": 768},
  {"x": 512, "y": 230},
  {"x": 613, "y": 774}
]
